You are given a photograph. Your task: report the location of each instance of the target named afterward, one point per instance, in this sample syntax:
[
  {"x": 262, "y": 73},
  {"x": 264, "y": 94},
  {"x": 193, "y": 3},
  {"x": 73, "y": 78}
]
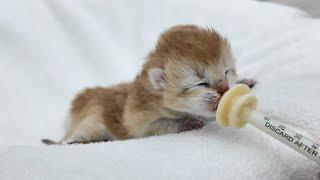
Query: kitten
[{"x": 178, "y": 89}]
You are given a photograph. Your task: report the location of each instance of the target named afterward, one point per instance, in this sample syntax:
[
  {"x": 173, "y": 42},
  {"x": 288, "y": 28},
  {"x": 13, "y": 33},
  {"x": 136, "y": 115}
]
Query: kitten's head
[{"x": 198, "y": 69}]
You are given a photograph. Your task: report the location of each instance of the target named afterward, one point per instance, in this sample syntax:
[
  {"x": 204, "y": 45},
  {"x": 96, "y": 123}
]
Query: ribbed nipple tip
[{"x": 233, "y": 106}]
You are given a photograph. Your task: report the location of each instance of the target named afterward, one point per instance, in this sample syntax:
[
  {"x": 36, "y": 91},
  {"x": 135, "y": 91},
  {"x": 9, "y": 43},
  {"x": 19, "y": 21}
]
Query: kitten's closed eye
[
  {"x": 227, "y": 71},
  {"x": 203, "y": 84}
]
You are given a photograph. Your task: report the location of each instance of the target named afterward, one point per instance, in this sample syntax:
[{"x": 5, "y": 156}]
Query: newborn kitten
[{"x": 178, "y": 89}]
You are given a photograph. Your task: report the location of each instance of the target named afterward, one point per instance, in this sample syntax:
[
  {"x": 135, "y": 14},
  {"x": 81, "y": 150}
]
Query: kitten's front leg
[
  {"x": 165, "y": 126},
  {"x": 190, "y": 124}
]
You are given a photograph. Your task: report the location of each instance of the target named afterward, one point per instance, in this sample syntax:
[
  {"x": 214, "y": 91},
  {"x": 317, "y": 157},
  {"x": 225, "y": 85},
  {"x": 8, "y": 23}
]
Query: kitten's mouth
[
  {"x": 215, "y": 107},
  {"x": 212, "y": 103},
  {"x": 215, "y": 103}
]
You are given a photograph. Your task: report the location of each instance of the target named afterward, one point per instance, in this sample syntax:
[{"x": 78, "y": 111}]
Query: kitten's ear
[{"x": 157, "y": 78}]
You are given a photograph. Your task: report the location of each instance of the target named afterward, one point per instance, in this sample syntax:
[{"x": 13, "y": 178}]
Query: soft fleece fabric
[{"x": 49, "y": 50}]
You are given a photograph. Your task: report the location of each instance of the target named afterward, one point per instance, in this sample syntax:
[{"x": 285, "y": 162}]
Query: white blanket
[{"x": 50, "y": 49}]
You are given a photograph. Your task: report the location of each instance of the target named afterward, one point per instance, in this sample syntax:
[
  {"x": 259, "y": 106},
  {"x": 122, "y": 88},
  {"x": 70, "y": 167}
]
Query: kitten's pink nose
[{"x": 222, "y": 87}]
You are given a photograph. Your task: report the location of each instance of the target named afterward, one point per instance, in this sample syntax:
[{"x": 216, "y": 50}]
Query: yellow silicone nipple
[{"x": 234, "y": 105}]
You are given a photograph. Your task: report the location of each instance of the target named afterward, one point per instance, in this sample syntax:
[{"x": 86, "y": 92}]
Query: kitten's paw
[
  {"x": 249, "y": 82},
  {"x": 191, "y": 125}
]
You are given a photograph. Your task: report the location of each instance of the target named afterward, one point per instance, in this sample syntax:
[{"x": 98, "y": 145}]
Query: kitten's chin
[{"x": 209, "y": 111}]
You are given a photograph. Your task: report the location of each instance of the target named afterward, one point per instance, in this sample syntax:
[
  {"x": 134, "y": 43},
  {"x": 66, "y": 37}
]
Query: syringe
[{"x": 237, "y": 107}]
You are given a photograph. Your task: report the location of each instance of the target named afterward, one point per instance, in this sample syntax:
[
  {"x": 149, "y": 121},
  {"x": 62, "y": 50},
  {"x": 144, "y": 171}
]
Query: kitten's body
[{"x": 177, "y": 90}]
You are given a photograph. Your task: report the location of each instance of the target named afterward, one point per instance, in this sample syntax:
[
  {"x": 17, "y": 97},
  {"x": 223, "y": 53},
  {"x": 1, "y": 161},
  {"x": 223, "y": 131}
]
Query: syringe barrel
[{"x": 285, "y": 134}]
